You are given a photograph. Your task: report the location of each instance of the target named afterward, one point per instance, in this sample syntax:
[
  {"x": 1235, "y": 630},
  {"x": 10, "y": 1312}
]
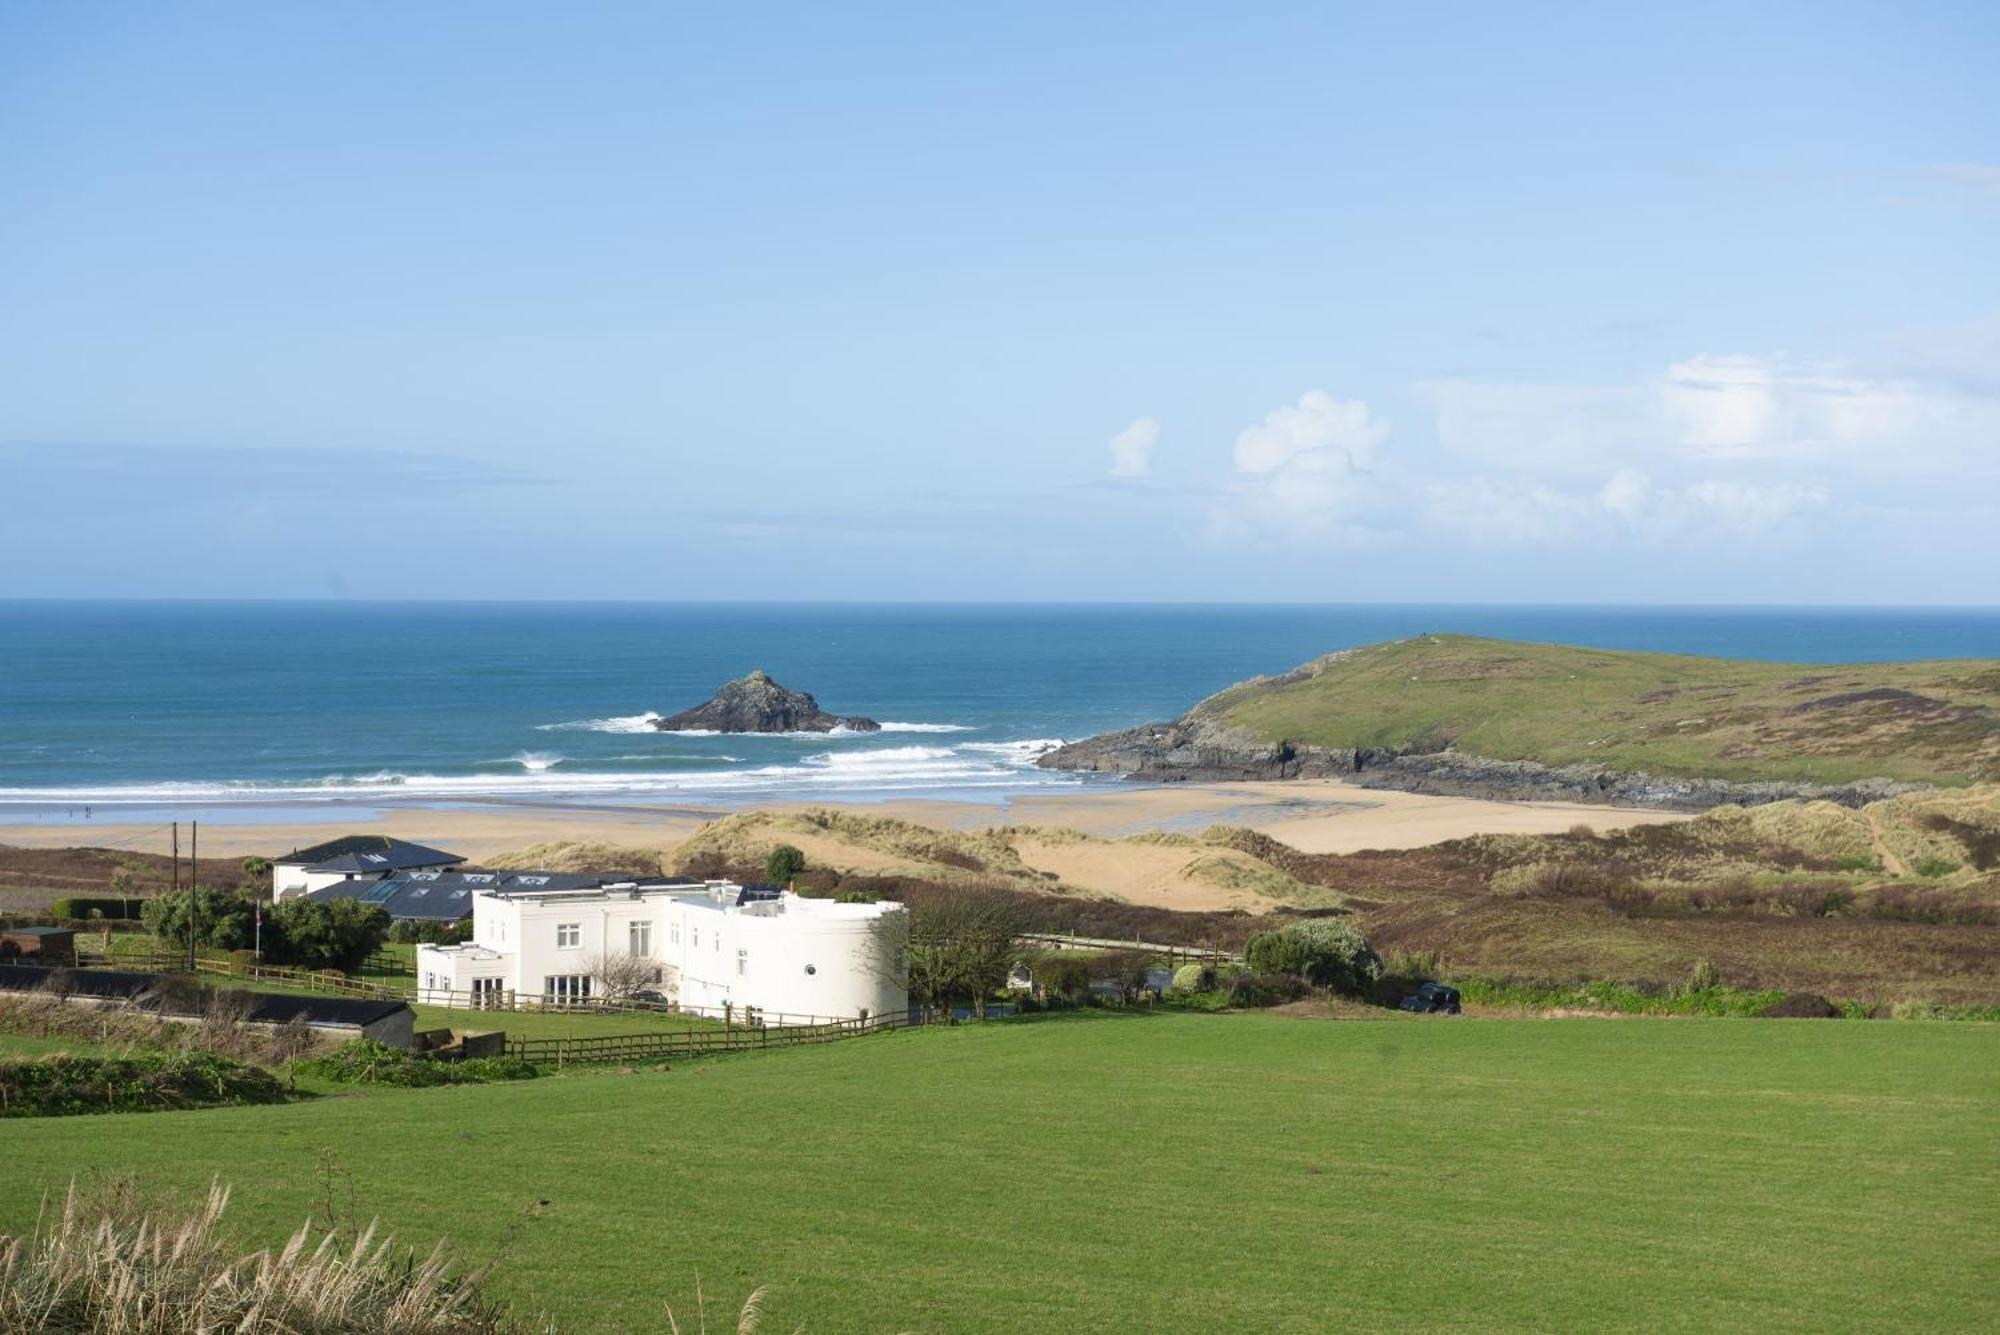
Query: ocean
[{"x": 152, "y": 710}]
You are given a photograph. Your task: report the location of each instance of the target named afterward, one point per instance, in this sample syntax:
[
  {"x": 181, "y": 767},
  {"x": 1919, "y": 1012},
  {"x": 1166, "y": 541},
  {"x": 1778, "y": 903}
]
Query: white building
[
  {"x": 354, "y": 857},
  {"x": 713, "y": 945}
]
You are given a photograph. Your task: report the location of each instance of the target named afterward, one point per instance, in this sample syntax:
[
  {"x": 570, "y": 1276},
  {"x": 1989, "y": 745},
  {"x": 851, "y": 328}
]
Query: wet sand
[{"x": 1317, "y": 816}]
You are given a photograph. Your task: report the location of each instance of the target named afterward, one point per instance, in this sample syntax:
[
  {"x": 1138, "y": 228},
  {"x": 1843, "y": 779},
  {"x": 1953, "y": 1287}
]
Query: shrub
[
  {"x": 78, "y": 908},
  {"x": 1063, "y": 975},
  {"x": 242, "y": 961},
  {"x": 366, "y": 1062},
  {"x": 1194, "y": 978},
  {"x": 310, "y": 933},
  {"x": 784, "y": 864},
  {"x": 1326, "y": 952},
  {"x": 223, "y": 920},
  {"x": 115, "y": 1266},
  {"x": 1931, "y": 868},
  {"x": 1266, "y": 989},
  {"x": 430, "y": 932},
  {"x": 1703, "y": 977},
  {"x": 1801, "y": 1006},
  {"x": 62, "y": 1085},
  {"x": 1129, "y": 969}
]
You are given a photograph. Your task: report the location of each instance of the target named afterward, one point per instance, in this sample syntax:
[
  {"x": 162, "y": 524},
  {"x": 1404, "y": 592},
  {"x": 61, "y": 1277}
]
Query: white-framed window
[
  {"x": 694, "y": 937},
  {"x": 486, "y": 992},
  {"x": 569, "y": 935},
  {"x": 742, "y": 963},
  {"x": 430, "y": 982},
  {"x": 718, "y": 941},
  {"x": 640, "y": 937},
  {"x": 673, "y": 933},
  {"x": 566, "y": 987}
]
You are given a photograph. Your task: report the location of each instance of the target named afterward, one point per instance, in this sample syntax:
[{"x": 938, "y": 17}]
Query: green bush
[
  {"x": 1326, "y": 952},
  {"x": 306, "y": 933},
  {"x": 1703, "y": 977},
  {"x": 78, "y": 908},
  {"x": 1932, "y": 868},
  {"x": 366, "y": 1062},
  {"x": 1194, "y": 978},
  {"x": 1266, "y": 989},
  {"x": 1062, "y": 974},
  {"x": 428, "y": 932},
  {"x": 784, "y": 863},
  {"x": 224, "y": 920},
  {"x": 63, "y": 1085}
]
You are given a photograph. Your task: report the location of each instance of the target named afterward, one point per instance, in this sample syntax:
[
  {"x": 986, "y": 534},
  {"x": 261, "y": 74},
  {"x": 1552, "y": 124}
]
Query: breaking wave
[
  {"x": 625, "y": 723},
  {"x": 941, "y": 769}
]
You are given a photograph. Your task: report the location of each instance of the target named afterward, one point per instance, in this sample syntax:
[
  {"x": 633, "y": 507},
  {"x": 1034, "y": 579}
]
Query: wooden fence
[{"x": 697, "y": 1042}]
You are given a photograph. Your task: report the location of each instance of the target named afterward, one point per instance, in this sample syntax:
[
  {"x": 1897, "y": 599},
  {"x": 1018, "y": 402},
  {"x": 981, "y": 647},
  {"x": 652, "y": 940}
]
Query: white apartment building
[{"x": 715, "y": 944}]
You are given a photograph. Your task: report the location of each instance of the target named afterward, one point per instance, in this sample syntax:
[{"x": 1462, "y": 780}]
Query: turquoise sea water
[{"x": 147, "y": 708}]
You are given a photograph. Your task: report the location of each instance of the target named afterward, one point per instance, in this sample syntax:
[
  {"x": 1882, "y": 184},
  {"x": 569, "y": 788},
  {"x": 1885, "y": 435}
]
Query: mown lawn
[{"x": 1212, "y": 1173}]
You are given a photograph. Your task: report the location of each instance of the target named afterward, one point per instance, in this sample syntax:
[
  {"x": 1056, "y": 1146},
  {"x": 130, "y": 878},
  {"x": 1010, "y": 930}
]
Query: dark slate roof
[
  {"x": 446, "y": 896},
  {"x": 266, "y": 1007},
  {"x": 369, "y": 852},
  {"x": 37, "y": 931}
]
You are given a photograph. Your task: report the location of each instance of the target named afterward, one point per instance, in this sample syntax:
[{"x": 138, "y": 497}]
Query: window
[
  {"x": 673, "y": 933},
  {"x": 742, "y": 963},
  {"x": 694, "y": 937},
  {"x": 485, "y": 992},
  {"x": 569, "y": 935},
  {"x": 430, "y": 982},
  {"x": 641, "y": 936},
  {"x": 566, "y": 987}
]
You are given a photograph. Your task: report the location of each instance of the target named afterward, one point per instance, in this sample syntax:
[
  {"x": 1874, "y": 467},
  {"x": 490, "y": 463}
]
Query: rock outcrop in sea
[
  {"x": 757, "y": 704},
  {"x": 1198, "y": 749}
]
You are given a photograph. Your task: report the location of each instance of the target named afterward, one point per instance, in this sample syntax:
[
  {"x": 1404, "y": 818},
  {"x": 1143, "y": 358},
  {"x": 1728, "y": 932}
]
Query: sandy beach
[{"x": 1318, "y": 816}]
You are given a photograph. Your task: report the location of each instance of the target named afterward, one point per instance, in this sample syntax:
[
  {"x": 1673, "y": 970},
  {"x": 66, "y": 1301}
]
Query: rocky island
[
  {"x": 1461, "y": 715},
  {"x": 757, "y": 704}
]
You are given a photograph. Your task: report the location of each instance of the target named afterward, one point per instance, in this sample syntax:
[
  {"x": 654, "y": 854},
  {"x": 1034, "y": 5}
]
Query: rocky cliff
[
  {"x": 757, "y": 704},
  {"x": 1195, "y": 751}
]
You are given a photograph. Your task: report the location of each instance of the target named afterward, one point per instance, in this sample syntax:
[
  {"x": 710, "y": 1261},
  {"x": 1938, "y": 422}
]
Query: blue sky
[{"x": 1457, "y": 302}]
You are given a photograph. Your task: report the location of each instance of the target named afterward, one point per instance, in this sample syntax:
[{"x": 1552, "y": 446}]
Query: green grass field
[
  {"x": 1664, "y": 713},
  {"x": 1231, "y": 1172}
]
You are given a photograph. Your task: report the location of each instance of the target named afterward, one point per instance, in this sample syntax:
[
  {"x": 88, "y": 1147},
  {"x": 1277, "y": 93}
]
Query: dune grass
[
  {"x": 1934, "y": 722},
  {"x": 1231, "y": 1172}
]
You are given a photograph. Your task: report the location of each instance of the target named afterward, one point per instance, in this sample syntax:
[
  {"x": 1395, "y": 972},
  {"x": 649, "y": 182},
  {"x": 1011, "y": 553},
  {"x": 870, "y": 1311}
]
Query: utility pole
[{"x": 194, "y": 844}]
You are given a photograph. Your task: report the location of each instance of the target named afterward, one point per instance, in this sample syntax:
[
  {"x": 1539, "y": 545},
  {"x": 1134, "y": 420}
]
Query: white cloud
[
  {"x": 1978, "y": 175},
  {"x": 1303, "y": 472},
  {"x": 1317, "y": 432},
  {"x": 1755, "y": 407},
  {"x": 1132, "y": 448},
  {"x": 1710, "y": 408},
  {"x": 1627, "y": 504}
]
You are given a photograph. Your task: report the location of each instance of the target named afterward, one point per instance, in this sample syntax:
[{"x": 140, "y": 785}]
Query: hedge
[
  {"x": 62, "y": 1085},
  {"x": 79, "y": 908}
]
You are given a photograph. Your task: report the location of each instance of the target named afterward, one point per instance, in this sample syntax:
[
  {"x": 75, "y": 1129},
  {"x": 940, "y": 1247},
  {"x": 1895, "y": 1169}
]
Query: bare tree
[
  {"x": 962, "y": 944},
  {"x": 619, "y": 976}
]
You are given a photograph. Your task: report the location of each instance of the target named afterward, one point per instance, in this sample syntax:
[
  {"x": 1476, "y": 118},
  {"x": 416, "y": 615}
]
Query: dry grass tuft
[
  {"x": 116, "y": 1267},
  {"x": 221, "y": 1029}
]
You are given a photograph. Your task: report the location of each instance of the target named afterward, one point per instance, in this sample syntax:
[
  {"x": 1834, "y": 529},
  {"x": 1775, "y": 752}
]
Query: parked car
[{"x": 1433, "y": 999}]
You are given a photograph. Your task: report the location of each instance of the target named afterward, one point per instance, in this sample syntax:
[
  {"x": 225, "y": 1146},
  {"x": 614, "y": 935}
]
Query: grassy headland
[
  {"x": 1458, "y": 699},
  {"x": 1935, "y": 722}
]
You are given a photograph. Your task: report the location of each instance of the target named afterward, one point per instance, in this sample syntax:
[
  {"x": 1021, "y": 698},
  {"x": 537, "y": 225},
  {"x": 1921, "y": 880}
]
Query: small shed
[{"x": 39, "y": 945}]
